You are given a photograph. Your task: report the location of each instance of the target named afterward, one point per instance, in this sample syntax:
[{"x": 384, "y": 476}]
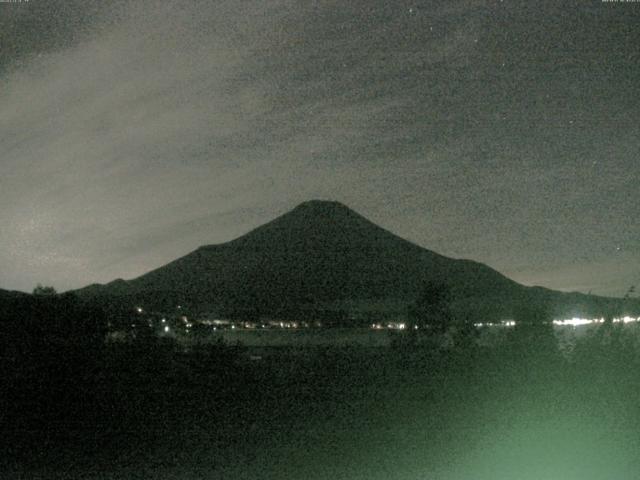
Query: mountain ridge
[{"x": 323, "y": 255}]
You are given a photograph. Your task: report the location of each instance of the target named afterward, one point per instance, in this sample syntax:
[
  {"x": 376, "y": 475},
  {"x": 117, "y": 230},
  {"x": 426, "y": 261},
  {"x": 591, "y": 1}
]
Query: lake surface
[{"x": 365, "y": 337}]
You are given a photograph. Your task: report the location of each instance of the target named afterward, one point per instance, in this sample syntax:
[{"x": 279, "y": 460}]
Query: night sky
[{"x": 502, "y": 131}]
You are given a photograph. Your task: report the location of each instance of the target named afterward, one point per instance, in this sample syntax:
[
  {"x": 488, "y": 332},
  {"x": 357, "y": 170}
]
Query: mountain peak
[
  {"x": 323, "y": 217},
  {"x": 322, "y": 207},
  {"x": 312, "y": 220},
  {"x": 315, "y": 203}
]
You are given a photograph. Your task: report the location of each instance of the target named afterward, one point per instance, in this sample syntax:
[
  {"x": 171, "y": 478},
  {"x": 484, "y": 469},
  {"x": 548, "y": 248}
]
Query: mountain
[
  {"x": 323, "y": 256},
  {"x": 11, "y": 294}
]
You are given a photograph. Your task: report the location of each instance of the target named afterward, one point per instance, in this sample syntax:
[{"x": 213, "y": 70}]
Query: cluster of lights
[
  {"x": 576, "y": 322},
  {"x": 626, "y": 319},
  {"x": 571, "y": 322},
  {"x": 254, "y": 325},
  {"x": 504, "y": 323},
  {"x": 288, "y": 324},
  {"x": 390, "y": 326}
]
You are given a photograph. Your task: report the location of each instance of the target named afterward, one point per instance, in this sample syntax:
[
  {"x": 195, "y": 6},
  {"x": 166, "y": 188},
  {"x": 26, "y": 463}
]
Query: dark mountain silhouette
[
  {"x": 322, "y": 256},
  {"x": 11, "y": 294}
]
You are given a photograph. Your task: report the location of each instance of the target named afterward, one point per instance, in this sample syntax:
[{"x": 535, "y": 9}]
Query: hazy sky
[{"x": 503, "y": 131}]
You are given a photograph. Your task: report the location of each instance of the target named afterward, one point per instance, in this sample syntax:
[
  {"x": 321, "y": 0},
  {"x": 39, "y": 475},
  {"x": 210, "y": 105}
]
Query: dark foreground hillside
[{"x": 518, "y": 410}]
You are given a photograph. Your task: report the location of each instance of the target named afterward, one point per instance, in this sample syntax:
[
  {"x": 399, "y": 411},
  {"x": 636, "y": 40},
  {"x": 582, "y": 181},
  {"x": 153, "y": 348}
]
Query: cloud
[
  {"x": 133, "y": 132},
  {"x": 130, "y": 143}
]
